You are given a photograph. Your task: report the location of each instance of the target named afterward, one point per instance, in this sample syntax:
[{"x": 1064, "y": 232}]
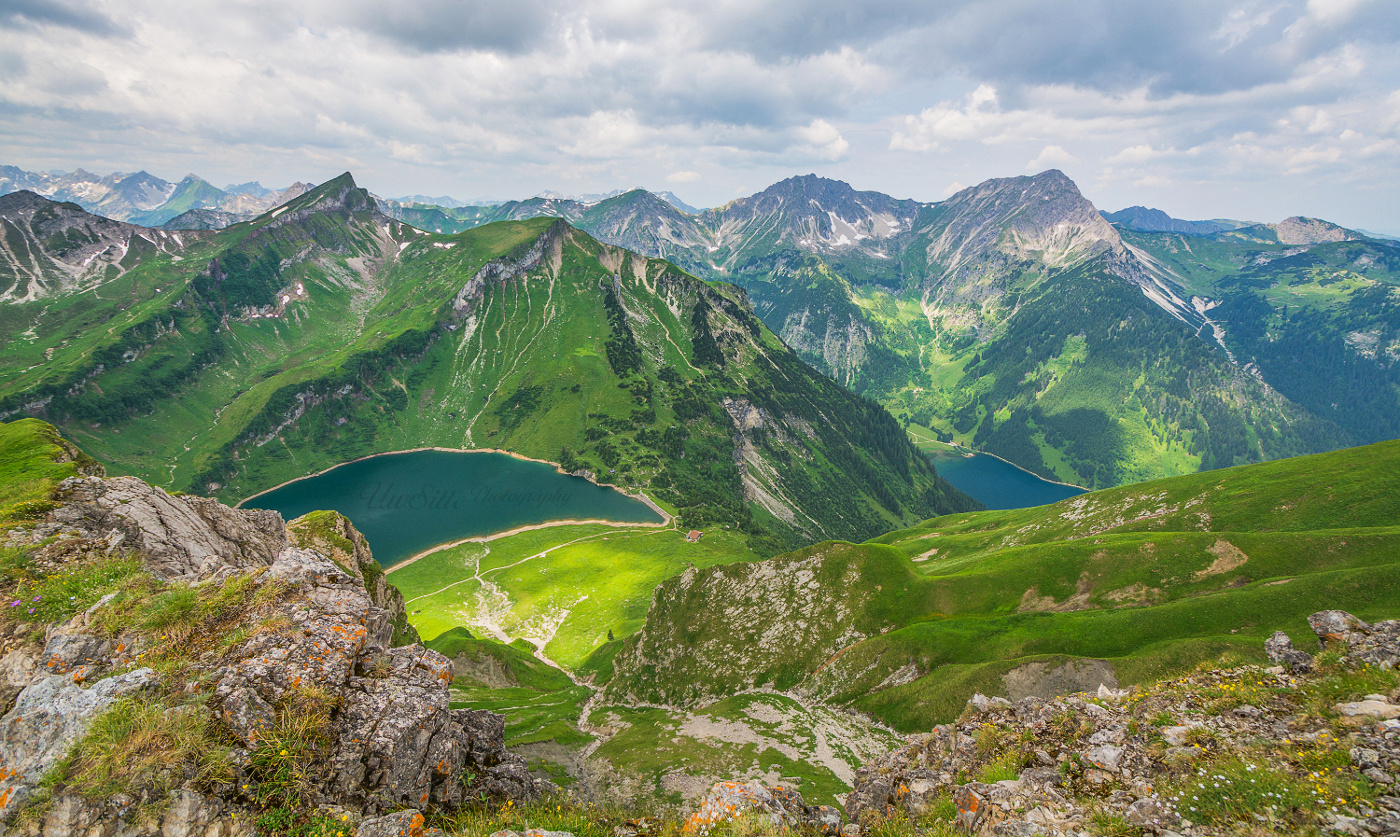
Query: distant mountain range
[
  {"x": 142, "y": 198},
  {"x": 195, "y": 204},
  {"x": 1155, "y": 220},
  {"x": 1013, "y": 317}
]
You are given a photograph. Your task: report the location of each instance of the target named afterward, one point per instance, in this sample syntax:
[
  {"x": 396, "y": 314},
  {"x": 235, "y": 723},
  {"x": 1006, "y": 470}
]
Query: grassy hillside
[
  {"x": 566, "y": 589},
  {"x": 323, "y": 331},
  {"x": 1150, "y": 579},
  {"x": 33, "y": 460}
]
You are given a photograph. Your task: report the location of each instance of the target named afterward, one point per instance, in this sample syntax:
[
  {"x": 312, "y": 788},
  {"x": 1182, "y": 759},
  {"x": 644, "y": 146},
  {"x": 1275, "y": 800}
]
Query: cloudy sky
[{"x": 1203, "y": 108}]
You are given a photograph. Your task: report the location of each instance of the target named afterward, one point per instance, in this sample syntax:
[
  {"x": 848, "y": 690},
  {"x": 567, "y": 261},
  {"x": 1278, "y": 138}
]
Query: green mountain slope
[
  {"x": 324, "y": 331},
  {"x": 1318, "y": 319},
  {"x": 1014, "y": 318},
  {"x": 1118, "y": 586}
]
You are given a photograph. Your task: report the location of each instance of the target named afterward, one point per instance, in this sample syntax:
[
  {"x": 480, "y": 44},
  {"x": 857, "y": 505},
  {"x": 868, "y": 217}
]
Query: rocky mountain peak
[
  {"x": 53, "y": 246},
  {"x": 337, "y": 195},
  {"x": 1300, "y": 231},
  {"x": 1043, "y": 218}
]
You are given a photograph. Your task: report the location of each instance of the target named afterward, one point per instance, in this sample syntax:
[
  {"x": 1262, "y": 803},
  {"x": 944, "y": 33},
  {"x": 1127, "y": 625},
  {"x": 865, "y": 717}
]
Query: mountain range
[
  {"x": 229, "y": 361},
  {"x": 1015, "y": 317},
  {"x": 142, "y": 198}
]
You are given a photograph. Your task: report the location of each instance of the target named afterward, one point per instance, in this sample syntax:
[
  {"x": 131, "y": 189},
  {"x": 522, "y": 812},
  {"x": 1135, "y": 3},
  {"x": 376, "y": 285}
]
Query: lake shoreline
[
  {"x": 666, "y": 516},
  {"x": 969, "y": 452},
  {"x": 495, "y": 536}
]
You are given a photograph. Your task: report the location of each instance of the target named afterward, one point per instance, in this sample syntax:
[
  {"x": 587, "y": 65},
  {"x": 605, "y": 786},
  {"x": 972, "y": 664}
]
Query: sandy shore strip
[{"x": 533, "y": 526}]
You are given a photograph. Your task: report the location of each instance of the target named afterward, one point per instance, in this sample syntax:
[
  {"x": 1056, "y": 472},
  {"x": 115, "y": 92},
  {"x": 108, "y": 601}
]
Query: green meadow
[{"x": 564, "y": 588}]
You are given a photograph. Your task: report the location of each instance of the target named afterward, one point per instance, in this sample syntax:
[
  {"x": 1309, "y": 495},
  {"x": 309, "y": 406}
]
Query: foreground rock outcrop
[
  {"x": 290, "y": 657},
  {"x": 1206, "y": 754},
  {"x": 781, "y": 807}
]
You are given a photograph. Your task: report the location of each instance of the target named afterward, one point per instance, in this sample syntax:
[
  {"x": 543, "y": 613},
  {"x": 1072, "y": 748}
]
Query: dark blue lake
[
  {"x": 996, "y": 483},
  {"x": 405, "y": 503}
]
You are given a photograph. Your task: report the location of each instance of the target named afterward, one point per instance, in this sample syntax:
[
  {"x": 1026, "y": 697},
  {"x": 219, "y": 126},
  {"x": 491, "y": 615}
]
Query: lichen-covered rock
[
  {"x": 19, "y": 662},
  {"x": 333, "y": 535},
  {"x": 407, "y": 823},
  {"x": 396, "y": 740},
  {"x": 48, "y": 716},
  {"x": 1334, "y": 626},
  {"x": 781, "y": 806},
  {"x": 314, "y": 635}
]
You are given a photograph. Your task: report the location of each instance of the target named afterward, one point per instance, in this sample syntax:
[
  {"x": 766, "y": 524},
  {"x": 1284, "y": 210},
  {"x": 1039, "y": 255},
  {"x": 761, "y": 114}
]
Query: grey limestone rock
[
  {"x": 1375, "y": 645},
  {"x": 47, "y": 717},
  {"x": 1280, "y": 649},
  {"x": 407, "y": 823},
  {"x": 178, "y": 538},
  {"x": 781, "y": 805},
  {"x": 1334, "y": 626},
  {"x": 397, "y": 741}
]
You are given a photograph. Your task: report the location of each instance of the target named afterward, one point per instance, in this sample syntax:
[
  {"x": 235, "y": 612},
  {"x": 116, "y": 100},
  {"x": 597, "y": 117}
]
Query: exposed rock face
[
  {"x": 334, "y": 536},
  {"x": 783, "y": 807},
  {"x": 1301, "y": 231},
  {"x": 396, "y": 740},
  {"x": 178, "y": 538},
  {"x": 51, "y": 247},
  {"x": 1376, "y": 645},
  {"x": 1280, "y": 649},
  {"x": 49, "y": 715},
  {"x": 390, "y": 738}
]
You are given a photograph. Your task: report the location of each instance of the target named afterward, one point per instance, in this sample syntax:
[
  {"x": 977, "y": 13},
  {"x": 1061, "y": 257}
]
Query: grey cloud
[
  {"x": 1188, "y": 46},
  {"x": 47, "y": 13},
  {"x": 786, "y": 29},
  {"x": 1192, "y": 47},
  {"x": 508, "y": 26}
]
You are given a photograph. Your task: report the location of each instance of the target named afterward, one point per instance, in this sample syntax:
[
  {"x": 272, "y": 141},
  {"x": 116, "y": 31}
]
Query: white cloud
[
  {"x": 1135, "y": 154},
  {"x": 928, "y": 130},
  {"x": 1051, "y": 156},
  {"x": 683, "y": 177},
  {"x": 821, "y": 139}
]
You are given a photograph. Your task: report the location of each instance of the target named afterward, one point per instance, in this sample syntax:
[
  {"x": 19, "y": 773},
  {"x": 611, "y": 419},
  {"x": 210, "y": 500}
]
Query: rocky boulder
[
  {"x": 1280, "y": 649},
  {"x": 178, "y": 537},
  {"x": 334, "y": 536},
  {"x": 48, "y": 716},
  {"x": 1375, "y": 645},
  {"x": 396, "y": 742},
  {"x": 781, "y": 806}
]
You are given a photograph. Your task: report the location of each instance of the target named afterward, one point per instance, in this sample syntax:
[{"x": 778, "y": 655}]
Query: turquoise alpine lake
[
  {"x": 996, "y": 483},
  {"x": 405, "y": 503}
]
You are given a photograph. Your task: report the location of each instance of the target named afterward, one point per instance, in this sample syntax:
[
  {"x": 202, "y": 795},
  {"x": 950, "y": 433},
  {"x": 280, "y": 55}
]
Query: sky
[{"x": 1203, "y": 108}]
